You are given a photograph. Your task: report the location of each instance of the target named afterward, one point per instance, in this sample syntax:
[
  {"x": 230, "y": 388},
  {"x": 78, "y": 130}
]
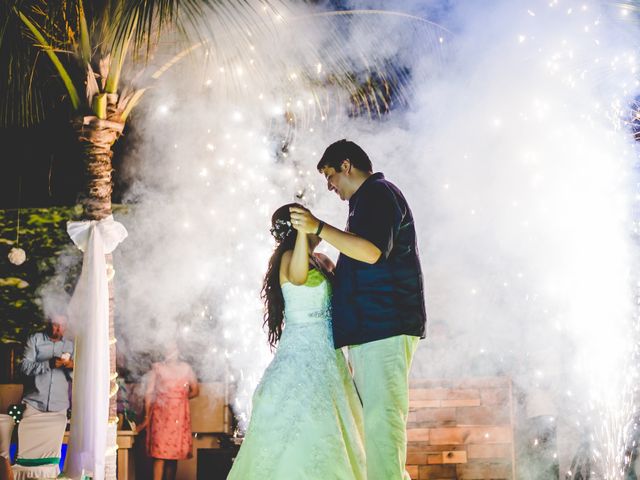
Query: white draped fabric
[{"x": 89, "y": 314}]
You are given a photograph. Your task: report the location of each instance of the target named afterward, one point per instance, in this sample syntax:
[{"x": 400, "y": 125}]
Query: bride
[{"x": 306, "y": 421}]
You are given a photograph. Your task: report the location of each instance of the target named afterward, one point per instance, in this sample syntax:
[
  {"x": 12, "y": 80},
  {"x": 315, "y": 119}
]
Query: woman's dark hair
[
  {"x": 271, "y": 295},
  {"x": 343, "y": 150}
]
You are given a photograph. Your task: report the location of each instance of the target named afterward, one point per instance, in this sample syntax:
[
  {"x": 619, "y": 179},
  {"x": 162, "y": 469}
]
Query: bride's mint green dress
[{"x": 306, "y": 421}]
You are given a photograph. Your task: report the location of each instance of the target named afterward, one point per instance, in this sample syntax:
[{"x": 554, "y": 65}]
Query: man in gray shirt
[{"x": 47, "y": 363}]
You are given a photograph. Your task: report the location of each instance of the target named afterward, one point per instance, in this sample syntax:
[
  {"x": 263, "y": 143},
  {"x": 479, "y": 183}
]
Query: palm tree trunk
[{"x": 96, "y": 137}]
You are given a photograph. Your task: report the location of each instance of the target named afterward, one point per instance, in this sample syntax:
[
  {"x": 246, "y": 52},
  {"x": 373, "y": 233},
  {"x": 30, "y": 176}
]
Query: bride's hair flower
[{"x": 281, "y": 229}]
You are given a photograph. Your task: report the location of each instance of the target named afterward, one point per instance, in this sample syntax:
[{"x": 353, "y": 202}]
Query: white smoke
[{"x": 507, "y": 136}]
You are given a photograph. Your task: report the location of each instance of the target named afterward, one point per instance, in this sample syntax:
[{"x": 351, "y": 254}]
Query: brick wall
[{"x": 461, "y": 429}]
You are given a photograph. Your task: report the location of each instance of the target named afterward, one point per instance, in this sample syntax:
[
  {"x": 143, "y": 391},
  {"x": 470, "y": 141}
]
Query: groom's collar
[{"x": 371, "y": 178}]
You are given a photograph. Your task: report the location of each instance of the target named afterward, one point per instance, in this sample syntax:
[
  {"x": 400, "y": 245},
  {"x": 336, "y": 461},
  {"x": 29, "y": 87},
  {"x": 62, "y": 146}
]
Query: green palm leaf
[
  {"x": 55, "y": 59},
  {"x": 97, "y": 37}
]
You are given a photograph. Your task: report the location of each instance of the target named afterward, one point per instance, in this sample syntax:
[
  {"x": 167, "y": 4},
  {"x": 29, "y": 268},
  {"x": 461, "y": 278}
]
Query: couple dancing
[{"x": 312, "y": 418}]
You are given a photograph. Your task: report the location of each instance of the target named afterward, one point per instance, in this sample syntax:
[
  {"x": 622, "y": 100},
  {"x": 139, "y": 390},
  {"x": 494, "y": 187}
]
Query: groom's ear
[{"x": 345, "y": 166}]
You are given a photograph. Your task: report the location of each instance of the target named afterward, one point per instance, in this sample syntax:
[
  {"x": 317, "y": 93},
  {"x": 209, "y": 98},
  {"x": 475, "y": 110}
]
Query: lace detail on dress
[
  {"x": 307, "y": 420},
  {"x": 308, "y": 302}
]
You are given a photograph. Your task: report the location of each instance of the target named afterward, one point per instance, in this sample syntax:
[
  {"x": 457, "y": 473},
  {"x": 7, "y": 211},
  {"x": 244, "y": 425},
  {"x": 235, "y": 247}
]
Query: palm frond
[
  {"x": 92, "y": 84},
  {"x": 146, "y": 20},
  {"x": 48, "y": 49},
  {"x": 118, "y": 55},
  {"x": 27, "y": 81},
  {"x": 129, "y": 102},
  {"x": 97, "y": 39},
  {"x": 85, "y": 46}
]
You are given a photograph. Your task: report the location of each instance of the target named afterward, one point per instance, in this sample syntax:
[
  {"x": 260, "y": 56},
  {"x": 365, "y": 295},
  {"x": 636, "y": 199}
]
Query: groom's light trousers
[{"x": 381, "y": 375}]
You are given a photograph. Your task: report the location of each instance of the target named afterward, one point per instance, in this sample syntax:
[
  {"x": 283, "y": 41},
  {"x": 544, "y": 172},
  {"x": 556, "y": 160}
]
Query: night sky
[{"x": 45, "y": 159}]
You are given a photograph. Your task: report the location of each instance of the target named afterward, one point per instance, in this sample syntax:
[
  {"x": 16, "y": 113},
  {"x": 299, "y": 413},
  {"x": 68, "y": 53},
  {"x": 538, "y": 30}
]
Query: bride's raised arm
[{"x": 294, "y": 266}]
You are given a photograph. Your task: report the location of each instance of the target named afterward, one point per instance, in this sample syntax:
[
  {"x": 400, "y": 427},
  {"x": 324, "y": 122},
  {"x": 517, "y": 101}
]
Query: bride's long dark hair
[{"x": 271, "y": 294}]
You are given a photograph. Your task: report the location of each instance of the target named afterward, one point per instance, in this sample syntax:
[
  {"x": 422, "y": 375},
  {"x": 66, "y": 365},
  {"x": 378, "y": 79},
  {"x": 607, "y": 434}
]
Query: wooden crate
[{"x": 460, "y": 429}]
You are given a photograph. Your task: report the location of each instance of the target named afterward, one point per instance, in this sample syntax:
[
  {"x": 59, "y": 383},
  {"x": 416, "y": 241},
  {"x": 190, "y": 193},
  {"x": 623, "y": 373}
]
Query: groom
[{"x": 378, "y": 298}]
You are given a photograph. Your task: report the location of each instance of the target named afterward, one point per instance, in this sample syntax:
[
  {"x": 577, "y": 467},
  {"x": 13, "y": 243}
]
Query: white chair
[
  {"x": 39, "y": 446},
  {"x": 6, "y": 430}
]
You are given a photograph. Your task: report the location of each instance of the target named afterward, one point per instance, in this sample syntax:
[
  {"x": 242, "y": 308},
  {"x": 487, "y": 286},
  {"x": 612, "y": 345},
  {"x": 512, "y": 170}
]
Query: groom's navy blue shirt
[{"x": 372, "y": 302}]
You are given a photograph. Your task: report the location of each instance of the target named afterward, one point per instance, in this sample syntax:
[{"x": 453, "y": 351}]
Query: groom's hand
[{"x": 303, "y": 220}]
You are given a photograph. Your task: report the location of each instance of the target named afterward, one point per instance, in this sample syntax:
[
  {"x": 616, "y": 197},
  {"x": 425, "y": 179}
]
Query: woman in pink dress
[{"x": 171, "y": 384}]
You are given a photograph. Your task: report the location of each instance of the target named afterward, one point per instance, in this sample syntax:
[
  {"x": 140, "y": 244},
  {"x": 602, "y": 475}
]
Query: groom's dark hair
[{"x": 343, "y": 150}]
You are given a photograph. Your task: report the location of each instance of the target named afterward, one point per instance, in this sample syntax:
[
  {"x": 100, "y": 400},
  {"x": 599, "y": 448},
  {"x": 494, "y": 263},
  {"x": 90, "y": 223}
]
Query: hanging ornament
[{"x": 17, "y": 256}]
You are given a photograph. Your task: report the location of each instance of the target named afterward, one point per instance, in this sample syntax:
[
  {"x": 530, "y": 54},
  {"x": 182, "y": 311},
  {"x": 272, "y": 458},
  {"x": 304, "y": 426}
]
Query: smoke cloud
[{"x": 505, "y": 124}]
